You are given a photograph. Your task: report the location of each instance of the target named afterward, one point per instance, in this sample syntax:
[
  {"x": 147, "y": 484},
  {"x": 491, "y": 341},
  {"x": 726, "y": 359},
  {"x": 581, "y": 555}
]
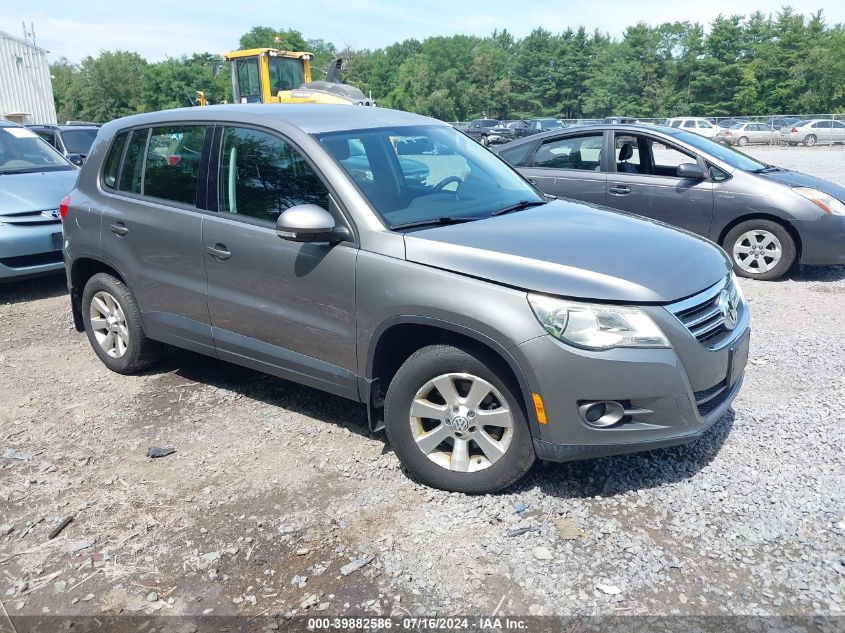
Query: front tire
[
  {"x": 455, "y": 422},
  {"x": 810, "y": 140},
  {"x": 760, "y": 249},
  {"x": 113, "y": 325}
]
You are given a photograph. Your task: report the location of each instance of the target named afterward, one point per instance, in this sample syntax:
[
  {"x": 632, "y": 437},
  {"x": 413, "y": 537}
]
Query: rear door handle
[
  {"x": 218, "y": 251},
  {"x": 619, "y": 190},
  {"x": 119, "y": 228}
]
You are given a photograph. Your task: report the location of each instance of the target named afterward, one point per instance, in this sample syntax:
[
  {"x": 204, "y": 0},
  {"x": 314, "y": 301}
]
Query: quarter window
[
  {"x": 261, "y": 175},
  {"x": 173, "y": 163},
  {"x": 579, "y": 152},
  {"x": 112, "y": 163},
  {"x": 133, "y": 164}
]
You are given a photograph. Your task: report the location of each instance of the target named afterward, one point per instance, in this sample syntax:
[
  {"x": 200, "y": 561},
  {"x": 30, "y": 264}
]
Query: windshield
[
  {"x": 286, "y": 74},
  {"x": 22, "y": 150},
  {"x": 419, "y": 174},
  {"x": 79, "y": 141},
  {"x": 727, "y": 154}
]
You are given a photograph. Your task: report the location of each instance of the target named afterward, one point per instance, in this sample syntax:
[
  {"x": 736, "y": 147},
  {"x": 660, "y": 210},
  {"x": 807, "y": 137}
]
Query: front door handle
[
  {"x": 119, "y": 228},
  {"x": 619, "y": 190},
  {"x": 532, "y": 181},
  {"x": 218, "y": 251}
]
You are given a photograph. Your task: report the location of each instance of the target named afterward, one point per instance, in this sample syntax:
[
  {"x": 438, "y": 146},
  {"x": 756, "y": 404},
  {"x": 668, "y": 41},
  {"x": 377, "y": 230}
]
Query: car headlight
[
  {"x": 825, "y": 202},
  {"x": 594, "y": 326}
]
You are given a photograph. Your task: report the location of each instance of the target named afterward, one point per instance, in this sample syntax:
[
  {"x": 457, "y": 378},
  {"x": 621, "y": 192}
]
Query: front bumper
[
  {"x": 822, "y": 240},
  {"x": 674, "y": 395},
  {"x": 29, "y": 250}
]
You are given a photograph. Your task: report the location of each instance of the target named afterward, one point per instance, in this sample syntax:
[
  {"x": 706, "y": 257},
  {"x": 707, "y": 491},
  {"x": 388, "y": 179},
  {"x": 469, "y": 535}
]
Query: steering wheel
[{"x": 450, "y": 179}]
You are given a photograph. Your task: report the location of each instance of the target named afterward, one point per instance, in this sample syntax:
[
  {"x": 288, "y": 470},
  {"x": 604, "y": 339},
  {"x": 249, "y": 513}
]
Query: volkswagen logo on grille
[{"x": 728, "y": 308}]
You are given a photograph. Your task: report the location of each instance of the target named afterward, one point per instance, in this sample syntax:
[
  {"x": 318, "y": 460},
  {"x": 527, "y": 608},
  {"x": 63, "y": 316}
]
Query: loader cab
[{"x": 266, "y": 75}]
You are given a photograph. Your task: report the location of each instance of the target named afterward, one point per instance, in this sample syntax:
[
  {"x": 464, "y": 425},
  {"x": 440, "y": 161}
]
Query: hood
[
  {"x": 575, "y": 250},
  {"x": 797, "y": 179},
  {"x": 34, "y": 191}
]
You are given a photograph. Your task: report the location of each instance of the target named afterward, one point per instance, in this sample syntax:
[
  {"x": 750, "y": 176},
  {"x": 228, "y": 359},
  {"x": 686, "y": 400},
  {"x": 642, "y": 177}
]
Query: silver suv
[{"x": 390, "y": 259}]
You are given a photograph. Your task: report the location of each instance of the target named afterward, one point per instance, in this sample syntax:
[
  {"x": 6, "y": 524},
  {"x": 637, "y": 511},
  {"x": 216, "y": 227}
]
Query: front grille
[
  {"x": 705, "y": 316},
  {"x": 708, "y": 400},
  {"x": 24, "y": 261},
  {"x": 32, "y": 218}
]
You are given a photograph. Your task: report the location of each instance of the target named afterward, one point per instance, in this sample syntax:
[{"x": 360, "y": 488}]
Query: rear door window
[
  {"x": 574, "y": 152},
  {"x": 133, "y": 164},
  {"x": 112, "y": 162},
  {"x": 173, "y": 163}
]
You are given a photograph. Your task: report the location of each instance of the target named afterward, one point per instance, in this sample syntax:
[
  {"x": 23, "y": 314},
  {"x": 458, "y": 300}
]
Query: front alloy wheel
[
  {"x": 461, "y": 422},
  {"x": 455, "y": 420},
  {"x": 757, "y": 251}
]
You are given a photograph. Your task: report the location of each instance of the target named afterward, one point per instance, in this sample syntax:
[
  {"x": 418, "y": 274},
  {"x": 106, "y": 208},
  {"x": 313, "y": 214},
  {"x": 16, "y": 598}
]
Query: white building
[{"x": 26, "y": 92}]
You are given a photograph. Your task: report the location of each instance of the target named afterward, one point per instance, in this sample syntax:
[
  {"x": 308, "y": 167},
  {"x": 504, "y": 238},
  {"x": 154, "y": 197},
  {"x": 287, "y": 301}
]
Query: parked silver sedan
[
  {"x": 814, "y": 131},
  {"x": 744, "y": 133}
]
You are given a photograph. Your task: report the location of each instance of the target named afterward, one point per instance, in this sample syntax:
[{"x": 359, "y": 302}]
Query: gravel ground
[
  {"x": 823, "y": 161},
  {"x": 275, "y": 488}
]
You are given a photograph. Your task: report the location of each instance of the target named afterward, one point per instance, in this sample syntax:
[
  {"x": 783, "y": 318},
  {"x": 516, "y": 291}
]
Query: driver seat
[{"x": 626, "y": 152}]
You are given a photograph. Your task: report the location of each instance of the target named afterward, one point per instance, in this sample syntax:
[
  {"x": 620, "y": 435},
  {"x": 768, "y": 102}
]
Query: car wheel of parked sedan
[
  {"x": 810, "y": 140},
  {"x": 455, "y": 423},
  {"x": 760, "y": 249},
  {"x": 742, "y": 141},
  {"x": 113, "y": 325},
  {"x": 485, "y": 141}
]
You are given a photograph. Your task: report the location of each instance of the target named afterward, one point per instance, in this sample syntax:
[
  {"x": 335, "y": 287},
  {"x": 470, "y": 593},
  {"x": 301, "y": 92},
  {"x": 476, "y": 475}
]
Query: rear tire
[
  {"x": 113, "y": 325},
  {"x": 742, "y": 141},
  {"x": 465, "y": 459},
  {"x": 810, "y": 140},
  {"x": 485, "y": 142},
  {"x": 760, "y": 249}
]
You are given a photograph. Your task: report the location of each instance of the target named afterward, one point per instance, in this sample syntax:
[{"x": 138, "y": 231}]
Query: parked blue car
[{"x": 34, "y": 178}]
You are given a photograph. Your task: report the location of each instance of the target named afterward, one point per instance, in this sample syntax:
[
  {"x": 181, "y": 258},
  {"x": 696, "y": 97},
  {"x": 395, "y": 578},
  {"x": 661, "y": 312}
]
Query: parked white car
[
  {"x": 744, "y": 133},
  {"x": 700, "y": 126},
  {"x": 814, "y": 131}
]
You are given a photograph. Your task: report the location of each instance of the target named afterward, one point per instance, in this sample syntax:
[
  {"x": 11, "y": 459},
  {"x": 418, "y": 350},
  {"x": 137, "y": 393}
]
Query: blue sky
[{"x": 157, "y": 29}]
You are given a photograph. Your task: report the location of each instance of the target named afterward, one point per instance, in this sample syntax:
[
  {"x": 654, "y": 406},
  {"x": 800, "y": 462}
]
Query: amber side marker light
[{"x": 539, "y": 408}]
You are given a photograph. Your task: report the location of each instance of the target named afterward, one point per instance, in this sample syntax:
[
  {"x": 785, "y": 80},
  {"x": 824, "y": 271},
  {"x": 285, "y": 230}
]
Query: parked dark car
[
  {"x": 779, "y": 122},
  {"x": 767, "y": 218},
  {"x": 74, "y": 140},
  {"x": 618, "y": 119},
  {"x": 489, "y": 131},
  {"x": 528, "y": 127},
  {"x": 481, "y": 324}
]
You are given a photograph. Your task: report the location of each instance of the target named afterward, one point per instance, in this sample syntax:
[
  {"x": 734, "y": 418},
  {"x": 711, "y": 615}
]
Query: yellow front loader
[{"x": 267, "y": 75}]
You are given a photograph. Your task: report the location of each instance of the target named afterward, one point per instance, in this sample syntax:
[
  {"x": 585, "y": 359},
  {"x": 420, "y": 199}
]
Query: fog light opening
[{"x": 601, "y": 414}]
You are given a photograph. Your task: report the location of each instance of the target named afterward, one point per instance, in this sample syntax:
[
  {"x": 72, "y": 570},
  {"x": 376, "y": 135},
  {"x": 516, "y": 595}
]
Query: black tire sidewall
[
  {"x": 788, "y": 253},
  {"x": 135, "y": 359},
  {"x": 421, "y": 367}
]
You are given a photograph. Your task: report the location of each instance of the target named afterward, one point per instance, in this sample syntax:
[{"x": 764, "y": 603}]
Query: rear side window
[
  {"x": 112, "y": 163},
  {"x": 173, "y": 163},
  {"x": 261, "y": 175},
  {"x": 133, "y": 164},
  {"x": 578, "y": 152},
  {"x": 516, "y": 155}
]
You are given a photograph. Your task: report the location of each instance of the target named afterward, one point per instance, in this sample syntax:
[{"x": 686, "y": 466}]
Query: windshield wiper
[
  {"x": 443, "y": 220},
  {"x": 768, "y": 168},
  {"x": 518, "y": 206}
]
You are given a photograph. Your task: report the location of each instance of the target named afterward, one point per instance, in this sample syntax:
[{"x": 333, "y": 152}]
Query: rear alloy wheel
[
  {"x": 742, "y": 141},
  {"x": 455, "y": 423},
  {"x": 760, "y": 249},
  {"x": 810, "y": 140},
  {"x": 113, "y": 325}
]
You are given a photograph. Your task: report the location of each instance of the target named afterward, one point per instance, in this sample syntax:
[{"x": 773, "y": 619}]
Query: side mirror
[
  {"x": 309, "y": 223},
  {"x": 692, "y": 171},
  {"x": 76, "y": 159}
]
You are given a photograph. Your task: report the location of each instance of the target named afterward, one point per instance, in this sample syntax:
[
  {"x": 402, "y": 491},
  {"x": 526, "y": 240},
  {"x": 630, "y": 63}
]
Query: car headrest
[
  {"x": 626, "y": 151},
  {"x": 337, "y": 147}
]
